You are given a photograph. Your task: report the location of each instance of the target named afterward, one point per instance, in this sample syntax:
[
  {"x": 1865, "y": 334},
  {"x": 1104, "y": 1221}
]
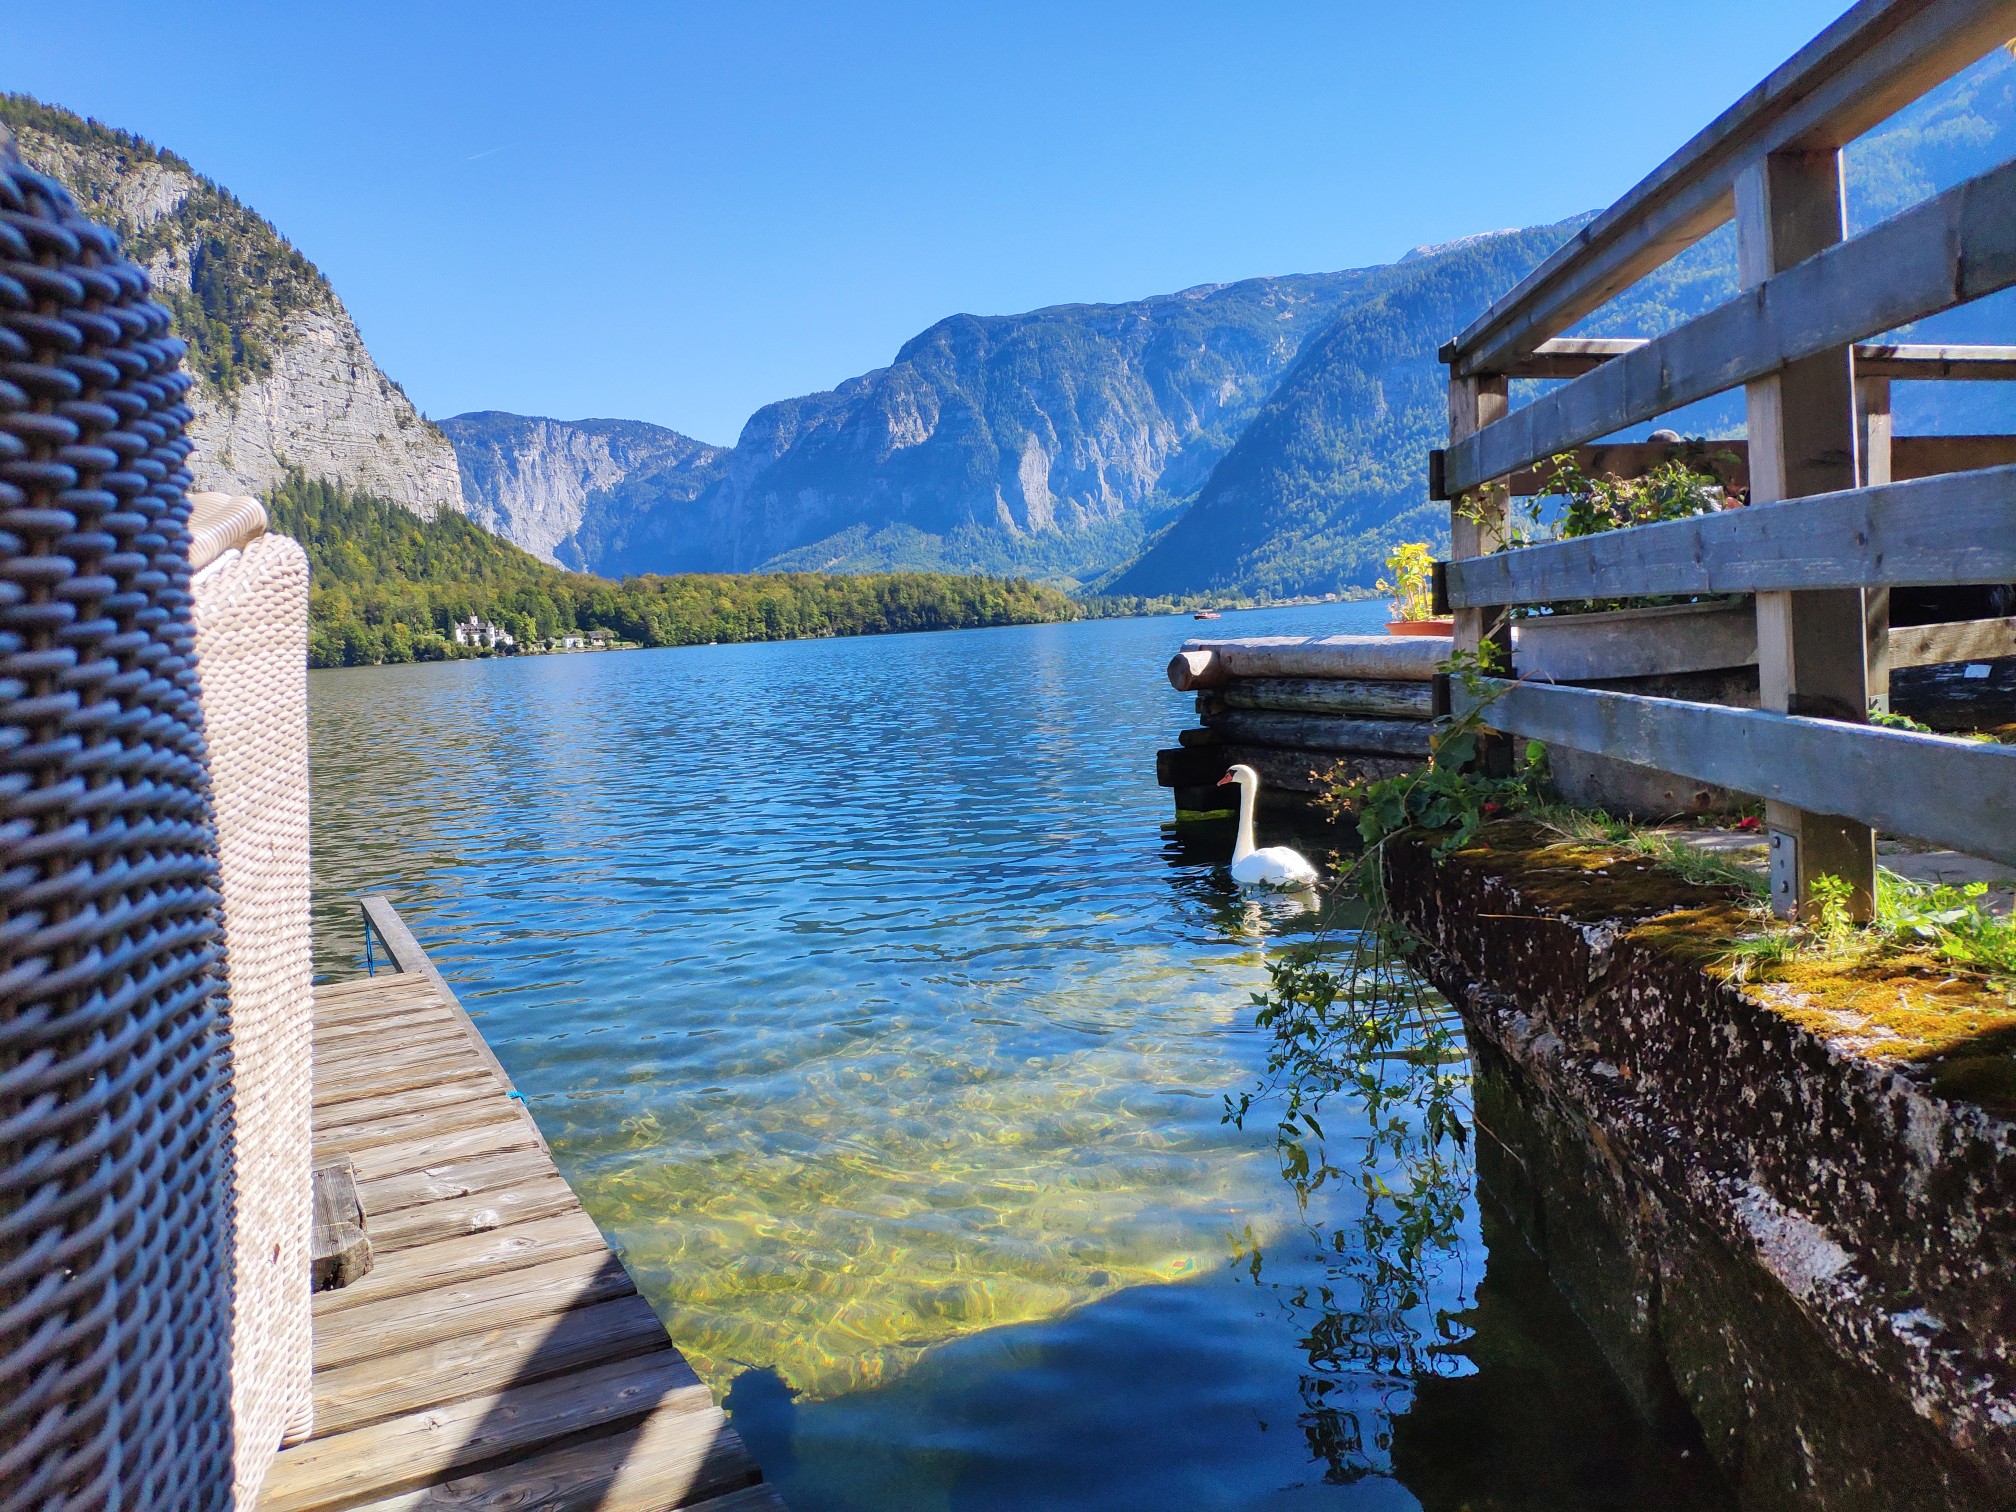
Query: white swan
[{"x": 1275, "y": 866}]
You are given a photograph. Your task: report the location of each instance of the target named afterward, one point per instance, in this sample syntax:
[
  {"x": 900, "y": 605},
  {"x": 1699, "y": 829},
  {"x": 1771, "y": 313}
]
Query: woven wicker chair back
[
  {"x": 115, "y": 1097},
  {"x": 251, "y": 593}
]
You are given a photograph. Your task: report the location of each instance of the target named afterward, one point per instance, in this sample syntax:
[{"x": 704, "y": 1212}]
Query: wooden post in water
[{"x": 1812, "y": 654}]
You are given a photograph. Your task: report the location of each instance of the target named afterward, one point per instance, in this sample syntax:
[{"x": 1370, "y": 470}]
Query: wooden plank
[
  {"x": 1662, "y": 642},
  {"x": 1324, "y": 695},
  {"x": 543, "y": 1197},
  {"x": 489, "y": 1361},
  {"x": 419, "y": 1448},
  {"x": 1729, "y": 459},
  {"x": 358, "y": 1139},
  {"x": 1321, "y": 732},
  {"x": 413, "y": 1015},
  {"x": 1955, "y": 641},
  {"x": 440, "y": 1094},
  {"x": 434, "y": 1149},
  {"x": 1878, "y": 57},
  {"x": 675, "y": 1459},
  {"x": 449, "y": 1181},
  {"x": 1399, "y": 658},
  {"x": 375, "y": 1081},
  {"x": 1946, "y": 791},
  {"x": 1913, "y": 361},
  {"x": 1956, "y": 528},
  {"x": 1946, "y": 251},
  {"x": 1928, "y": 456},
  {"x": 1571, "y": 357},
  {"x": 390, "y": 928},
  {"x": 460, "y": 1261},
  {"x": 492, "y": 1301}
]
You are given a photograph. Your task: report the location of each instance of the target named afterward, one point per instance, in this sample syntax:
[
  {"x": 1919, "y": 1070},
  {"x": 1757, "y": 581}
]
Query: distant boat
[{"x": 1205, "y": 614}]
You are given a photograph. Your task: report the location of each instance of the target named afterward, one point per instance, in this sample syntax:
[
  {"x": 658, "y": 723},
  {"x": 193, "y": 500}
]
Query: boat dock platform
[{"x": 496, "y": 1354}]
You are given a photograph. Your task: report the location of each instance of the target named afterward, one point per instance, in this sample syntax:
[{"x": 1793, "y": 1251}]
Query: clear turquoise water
[{"x": 884, "y": 1022}]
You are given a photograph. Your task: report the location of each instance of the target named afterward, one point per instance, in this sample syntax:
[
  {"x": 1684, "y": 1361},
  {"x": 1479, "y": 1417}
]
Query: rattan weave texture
[
  {"x": 252, "y": 659},
  {"x": 115, "y": 1098}
]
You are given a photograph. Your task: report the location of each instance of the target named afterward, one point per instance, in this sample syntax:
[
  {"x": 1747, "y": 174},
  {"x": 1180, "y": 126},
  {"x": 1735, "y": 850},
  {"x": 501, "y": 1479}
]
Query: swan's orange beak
[{"x": 1223, "y": 780}]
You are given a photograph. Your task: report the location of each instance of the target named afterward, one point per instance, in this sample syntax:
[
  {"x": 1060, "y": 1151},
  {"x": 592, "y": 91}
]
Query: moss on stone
[{"x": 1897, "y": 1006}]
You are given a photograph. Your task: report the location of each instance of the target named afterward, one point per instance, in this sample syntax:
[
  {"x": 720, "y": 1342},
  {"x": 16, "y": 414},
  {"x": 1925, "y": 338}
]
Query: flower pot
[{"x": 1420, "y": 627}]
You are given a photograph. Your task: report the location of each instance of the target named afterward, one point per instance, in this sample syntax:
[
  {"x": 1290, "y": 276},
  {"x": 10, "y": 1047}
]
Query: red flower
[{"x": 1749, "y": 822}]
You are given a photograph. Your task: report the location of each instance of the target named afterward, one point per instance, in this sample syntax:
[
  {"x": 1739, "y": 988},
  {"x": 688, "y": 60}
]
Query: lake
[{"x": 884, "y": 1020}]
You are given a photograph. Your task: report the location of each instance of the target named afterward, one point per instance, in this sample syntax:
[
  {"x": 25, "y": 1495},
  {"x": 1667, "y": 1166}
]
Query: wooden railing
[{"x": 1839, "y": 510}]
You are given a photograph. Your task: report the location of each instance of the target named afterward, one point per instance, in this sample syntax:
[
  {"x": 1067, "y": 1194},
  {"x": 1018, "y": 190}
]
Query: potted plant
[{"x": 1412, "y": 566}]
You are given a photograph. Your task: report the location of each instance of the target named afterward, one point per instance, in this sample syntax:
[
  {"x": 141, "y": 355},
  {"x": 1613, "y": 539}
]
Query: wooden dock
[{"x": 496, "y": 1354}]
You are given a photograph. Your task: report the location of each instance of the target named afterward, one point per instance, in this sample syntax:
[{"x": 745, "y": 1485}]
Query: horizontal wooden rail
[
  {"x": 1876, "y": 59},
  {"x": 1571, "y": 357},
  {"x": 1933, "y": 788},
  {"x": 1957, "y": 528},
  {"x": 1957, "y": 247},
  {"x": 1729, "y": 461}
]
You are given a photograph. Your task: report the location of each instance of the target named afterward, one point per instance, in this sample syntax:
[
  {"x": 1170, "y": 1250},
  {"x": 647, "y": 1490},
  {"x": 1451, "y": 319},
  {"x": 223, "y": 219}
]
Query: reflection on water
[{"x": 885, "y": 1026}]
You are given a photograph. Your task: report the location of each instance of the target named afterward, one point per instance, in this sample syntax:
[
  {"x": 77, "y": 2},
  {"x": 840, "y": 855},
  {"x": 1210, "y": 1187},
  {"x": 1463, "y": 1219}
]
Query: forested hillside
[{"x": 387, "y": 585}]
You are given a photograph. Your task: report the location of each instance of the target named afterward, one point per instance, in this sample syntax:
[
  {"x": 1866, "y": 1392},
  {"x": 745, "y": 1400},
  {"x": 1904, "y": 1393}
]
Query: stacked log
[{"x": 1302, "y": 711}]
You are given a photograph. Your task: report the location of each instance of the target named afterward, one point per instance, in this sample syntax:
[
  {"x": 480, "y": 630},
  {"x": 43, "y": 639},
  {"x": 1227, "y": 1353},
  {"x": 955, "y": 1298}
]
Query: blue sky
[{"x": 680, "y": 212}]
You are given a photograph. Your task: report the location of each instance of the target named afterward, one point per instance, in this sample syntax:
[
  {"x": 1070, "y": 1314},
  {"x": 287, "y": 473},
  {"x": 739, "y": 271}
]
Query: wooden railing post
[
  {"x": 1872, "y": 440},
  {"x": 1812, "y": 656},
  {"x": 1479, "y": 524}
]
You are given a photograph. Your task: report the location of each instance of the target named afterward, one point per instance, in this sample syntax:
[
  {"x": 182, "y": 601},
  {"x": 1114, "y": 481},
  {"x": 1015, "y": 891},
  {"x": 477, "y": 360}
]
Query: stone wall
[{"x": 1805, "y": 1247}]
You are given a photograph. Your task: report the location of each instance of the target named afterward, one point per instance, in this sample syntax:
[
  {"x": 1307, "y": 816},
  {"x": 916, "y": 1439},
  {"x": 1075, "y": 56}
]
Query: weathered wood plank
[
  {"x": 1957, "y": 247},
  {"x": 355, "y": 1138},
  {"x": 1324, "y": 695},
  {"x": 420, "y": 1448},
  {"x": 675, "y": 1459},
  {"x": 1729, "y": 460},
  {"x": 1956, "y": 641},
  {"x": 1571, "y": 357},
  {"x": 512, "y": 1354},
  {"x": 406, "y": 950},
  {"x": 495, "y": 1300},
  {"x": 1399, "y": 658},
  {"x": 1946, "y": 791},
  {"x": 451, "y": 1180},
  {"x": 454, "y": 1262},
  {"x": 1663, "y": 642},
  {"x": 1957, "y": 528},
  {"x": 1926, "y": 361},
  {"x": 1878, "y": 57},
  {"x": 436, "y": 1149},
  {"x": 459, "y": 1092},
  {"x": 1321, "y": 732},
  {"x": 383, "y": 1081},
  {"x": 541, "y": 1197}
]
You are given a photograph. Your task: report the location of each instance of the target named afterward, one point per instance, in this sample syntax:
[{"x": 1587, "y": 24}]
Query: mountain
[
  {"x": 583, "y": 494},
  {"x": 284, "y": 380},
  {"x": 1050, "y": 443}
]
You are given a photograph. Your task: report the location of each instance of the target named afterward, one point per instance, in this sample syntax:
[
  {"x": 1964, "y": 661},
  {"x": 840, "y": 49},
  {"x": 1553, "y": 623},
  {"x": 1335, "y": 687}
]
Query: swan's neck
[{"x": 1242, "y": 844}]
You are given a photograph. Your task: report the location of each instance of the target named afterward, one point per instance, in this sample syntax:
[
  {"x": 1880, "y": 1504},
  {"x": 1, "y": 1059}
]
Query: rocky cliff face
[
  {"x": 574, "y": 492},
  {"x": 1049, "y": 443},
  {"x": 285, "y": 380}
]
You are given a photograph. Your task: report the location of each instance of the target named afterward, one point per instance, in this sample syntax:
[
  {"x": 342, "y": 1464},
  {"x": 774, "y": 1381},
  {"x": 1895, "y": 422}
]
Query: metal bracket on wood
[
  {"x": 1784, "y": 873},
  {"x": 1438, "y": 588},
  {"x": 1437, "y": 463}
]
